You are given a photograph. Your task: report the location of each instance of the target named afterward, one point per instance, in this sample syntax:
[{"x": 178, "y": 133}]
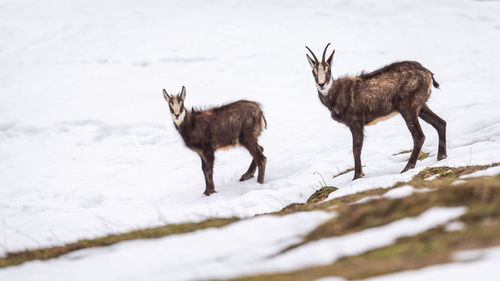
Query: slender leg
[
  {"x": 258, "y": 157},
  {"x": 262, "y": 165},
  {"x": 440, "y": 125},
  {"x": 418, "y": 139},
  {"x": 357, "y": 144},
  {"x": 251, "y": 170},
  {"x": 207, "y": 165}
]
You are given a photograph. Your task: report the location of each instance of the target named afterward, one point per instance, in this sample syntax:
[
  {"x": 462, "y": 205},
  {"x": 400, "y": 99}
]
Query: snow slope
[
  {"x": 87, "y": 147},
  {"x": 242, "y": 248},
  {"x": 398, "y": 192}
]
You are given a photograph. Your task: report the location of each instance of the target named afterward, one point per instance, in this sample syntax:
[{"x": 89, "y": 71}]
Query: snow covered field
[
  {"x": 87, "y": 146},
  {"x": 239, "y": 249}
]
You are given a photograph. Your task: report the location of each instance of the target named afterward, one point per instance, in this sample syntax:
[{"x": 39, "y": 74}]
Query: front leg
[
  {"x": 207, "y": 165},
  {"x": 357, "y": 144}
]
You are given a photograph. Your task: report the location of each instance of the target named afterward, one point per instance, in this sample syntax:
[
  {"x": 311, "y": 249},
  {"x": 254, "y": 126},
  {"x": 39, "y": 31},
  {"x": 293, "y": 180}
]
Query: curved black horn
[
  {"x": 324, "y": 52},
  {"x": 312, "y": 54}
]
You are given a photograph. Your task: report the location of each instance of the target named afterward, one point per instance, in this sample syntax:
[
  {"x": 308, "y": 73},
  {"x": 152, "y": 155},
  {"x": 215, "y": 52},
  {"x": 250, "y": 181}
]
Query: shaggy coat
[
  {"x": 205, "y": 131},
  {"x": 401, "y": 87}
]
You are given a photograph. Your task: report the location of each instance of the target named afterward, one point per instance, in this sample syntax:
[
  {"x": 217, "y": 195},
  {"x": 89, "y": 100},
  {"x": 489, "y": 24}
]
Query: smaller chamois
[
  {"x": 204, "y": 131},
  {"x": 400, "y": 87}
]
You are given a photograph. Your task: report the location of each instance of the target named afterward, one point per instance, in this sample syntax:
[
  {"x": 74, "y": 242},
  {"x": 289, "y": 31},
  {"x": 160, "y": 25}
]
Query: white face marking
[
  {"x": 176, "y": 106},
  {"x": 321, "y": 74},
  {"x": 326, "y": 88},
  {"x": 178, "y": 120}
]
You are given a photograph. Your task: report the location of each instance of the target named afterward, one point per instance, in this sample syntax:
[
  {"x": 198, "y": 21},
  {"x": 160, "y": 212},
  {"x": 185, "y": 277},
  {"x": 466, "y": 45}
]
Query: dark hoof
[
  {"x": 246, "y": 177},
  {"x": 407, "y": 168},
  {"x": 261, "y": 181},
  {"x": 441, "y": 157},
  {"x": 358, "y": 176},
  {"x": 208, "y": 192}
]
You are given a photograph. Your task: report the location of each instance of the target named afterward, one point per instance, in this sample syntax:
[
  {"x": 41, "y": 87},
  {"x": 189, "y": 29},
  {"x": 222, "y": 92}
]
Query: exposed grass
[
  {"x": 321, "y": 194},
  {"x": 480, "y": 195},
  {"x": 148, "y": 233},
  {"x": 428, "y": 172},
  {"x": 448, "y": 173},
  {"x": 327, "y": 205},
  {"x": 356, "y": 217},
  {"x": 344, "y": 172},
  {"x": 451, "y": 173},
  {"x": 421, "y": 156}
]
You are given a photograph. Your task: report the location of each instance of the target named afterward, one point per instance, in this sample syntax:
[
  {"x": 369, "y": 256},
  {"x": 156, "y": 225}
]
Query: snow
[
  {"x": 493, "y": 171},
  {"x": 458, "y": 182},
  {"x": 87, "y": 146},
  {"x": 403, "y": 191},
  {"x": 455, "y": 226},
  {"x": 395, "y": 193},
  {"x": 482, "y": 264},
  {"x": 432, "y": 177},
  {"x": 242, "y": 248}
]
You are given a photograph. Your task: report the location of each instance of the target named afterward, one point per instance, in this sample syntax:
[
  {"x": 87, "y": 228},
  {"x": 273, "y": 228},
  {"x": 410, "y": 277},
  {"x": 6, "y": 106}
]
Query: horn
[
  {"x": 312, "y": 54},
  {"x": 324, "y": 52}
]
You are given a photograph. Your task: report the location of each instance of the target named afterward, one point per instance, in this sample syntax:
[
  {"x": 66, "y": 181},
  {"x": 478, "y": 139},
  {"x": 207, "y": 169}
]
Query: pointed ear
[
  {"x": 329, "y": 60},
  {"x": 311, "y": 62},
  {"x": 166, "y": 95},
  {"x": 183, "y": 93}
]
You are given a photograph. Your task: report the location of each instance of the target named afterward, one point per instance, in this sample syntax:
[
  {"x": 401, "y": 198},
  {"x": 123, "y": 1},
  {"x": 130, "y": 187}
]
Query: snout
[
  {"x": 321, "y": 85},
  {"x": 177, "y": 115}
]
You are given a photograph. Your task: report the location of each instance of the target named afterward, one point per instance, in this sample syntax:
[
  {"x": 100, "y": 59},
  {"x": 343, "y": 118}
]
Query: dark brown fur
[
  {"x": 235, "y": 124},
  {"x": 401, "y": 87}
]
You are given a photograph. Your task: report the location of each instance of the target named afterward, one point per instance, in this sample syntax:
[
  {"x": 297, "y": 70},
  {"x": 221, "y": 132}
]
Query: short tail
[
  {"x": 263, "y": 122},
  {"x": 434, "y": 82}
]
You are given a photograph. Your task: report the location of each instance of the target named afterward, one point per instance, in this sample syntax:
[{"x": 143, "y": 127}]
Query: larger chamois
[
  {"x": 205, "y": 131},
  {"x": 401, "y": 87}
]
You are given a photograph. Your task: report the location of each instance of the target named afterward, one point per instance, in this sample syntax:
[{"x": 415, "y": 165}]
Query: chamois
[
  {"x": 204, "y": 131},
  {"x": 401, "y": 87}
]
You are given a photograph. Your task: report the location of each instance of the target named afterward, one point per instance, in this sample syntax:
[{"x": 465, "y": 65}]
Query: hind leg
[
  {"x": 259, "y": 161},
  {"x": 440, "y": 125},
  {"x": 251, "y": 170},
  {"x": 411, "y": 120}
]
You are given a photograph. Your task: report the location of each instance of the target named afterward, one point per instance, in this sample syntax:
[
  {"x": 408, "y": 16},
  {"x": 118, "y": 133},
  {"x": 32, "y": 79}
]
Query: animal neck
[
  {"x": 183, "y": 121},
  {"x": 328, "y": 87},
  {"x": 327, "y": 95}
]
